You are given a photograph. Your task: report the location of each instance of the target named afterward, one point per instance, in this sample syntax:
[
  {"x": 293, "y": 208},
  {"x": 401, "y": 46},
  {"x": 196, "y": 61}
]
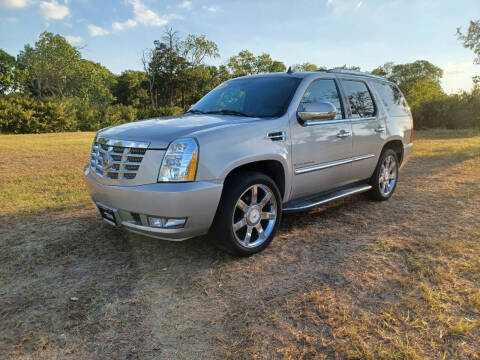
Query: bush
[
  {"x": 160, "y": 111},
  {"x": 92, "y": 118},
  {"x": 457, "y": 111},
  {"x": 23, "y": 114}
]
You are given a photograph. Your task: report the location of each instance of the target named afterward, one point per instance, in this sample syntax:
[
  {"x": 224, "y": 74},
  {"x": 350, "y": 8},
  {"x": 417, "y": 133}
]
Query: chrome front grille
[{"x": 117, "y": 159}]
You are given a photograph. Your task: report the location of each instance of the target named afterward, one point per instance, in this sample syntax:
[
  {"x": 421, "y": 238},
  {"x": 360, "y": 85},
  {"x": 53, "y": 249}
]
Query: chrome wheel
[
  {"x": 254, "y": 216},
  {"x": 388, "y": 175}
]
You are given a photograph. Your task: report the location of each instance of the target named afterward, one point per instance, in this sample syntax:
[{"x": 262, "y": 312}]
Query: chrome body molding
[
  {"x": 331, "y": 164},
  {"x": 123, "y": 143},
  {"x": 363, "y": 157},
  {"x": 338, "y": 121}
]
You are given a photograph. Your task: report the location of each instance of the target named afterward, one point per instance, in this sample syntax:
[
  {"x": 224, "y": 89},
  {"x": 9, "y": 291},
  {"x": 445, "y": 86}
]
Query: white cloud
[
  {"x": 342, "y": 6},
  {"x": 95, "y": 30},
  {"x": 185, "y": 4},
  {"x": 458, "y": 76},
  {"x": 146, "y": 16},
  {"x": 141, "y": 15},
  {"x": 11, "y": 19},
  {"x": 212, "y": 9},
  {"x": 118, "y": 26},
  {"x": 73, "y": 39},
  {"x": 14, "y": 3},
  {"x": 54, "y": 10}
]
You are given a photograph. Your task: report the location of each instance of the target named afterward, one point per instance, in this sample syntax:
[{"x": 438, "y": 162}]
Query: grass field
[{"x": 354, "y": 279}]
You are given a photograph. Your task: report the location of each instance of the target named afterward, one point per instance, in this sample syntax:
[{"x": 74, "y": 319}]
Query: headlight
[{"x": 180, "y": 161}]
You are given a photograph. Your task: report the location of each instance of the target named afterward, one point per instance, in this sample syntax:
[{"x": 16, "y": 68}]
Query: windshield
[{"x": 255, "y": 97}]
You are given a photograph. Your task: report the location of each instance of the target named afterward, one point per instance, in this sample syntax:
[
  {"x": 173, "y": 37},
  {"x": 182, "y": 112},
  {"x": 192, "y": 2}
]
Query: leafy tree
[
  {"x": 196, "y": 48},
  {"x": 471, "y": 40},
  {"x": 91, "y": 82},
  {"x": 417, "y": 80},
  {"x": 306, "y": 66},
  {"x": 132, "y": 88},
  {"x": 245, "y": 63},
  {"x": 384, "y": 70},
  {"x": 345, "y": 67},
  {"x": 423, "y": 91},
  {"x": 265, "y": 64},
  {"x": 49, "y": 65},
  {"x": 170, "y": 63},
  {"x": 7, "y": 72}
]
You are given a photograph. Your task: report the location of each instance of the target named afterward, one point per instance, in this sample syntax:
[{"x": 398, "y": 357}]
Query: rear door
[
  {"x": 321, "y": 151},
  {"x": 368, "y": 127}
]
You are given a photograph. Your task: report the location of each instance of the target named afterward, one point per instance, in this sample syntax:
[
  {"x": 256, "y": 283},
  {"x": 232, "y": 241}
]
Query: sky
[{"x": 365, "y": 33}]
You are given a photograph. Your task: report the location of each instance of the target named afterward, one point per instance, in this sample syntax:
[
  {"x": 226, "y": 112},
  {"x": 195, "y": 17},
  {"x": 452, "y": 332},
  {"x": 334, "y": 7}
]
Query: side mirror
[{"x": 317, "y": 111}]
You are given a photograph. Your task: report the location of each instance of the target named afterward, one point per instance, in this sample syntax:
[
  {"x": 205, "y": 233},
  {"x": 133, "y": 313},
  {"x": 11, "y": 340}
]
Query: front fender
[{"x": 226, "y": 149}]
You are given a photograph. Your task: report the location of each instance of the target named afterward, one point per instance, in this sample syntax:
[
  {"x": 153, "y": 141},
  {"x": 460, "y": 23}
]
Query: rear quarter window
[{"x": 392, "y": 98}]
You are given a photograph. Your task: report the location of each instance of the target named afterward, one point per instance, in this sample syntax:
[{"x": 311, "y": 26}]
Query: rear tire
[
  {"x": 248, "y": 215},
  {"x": 384, "y": 179}
]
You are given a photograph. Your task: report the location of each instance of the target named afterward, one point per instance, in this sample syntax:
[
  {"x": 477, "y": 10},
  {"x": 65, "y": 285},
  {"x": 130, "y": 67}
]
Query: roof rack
[{"x": 355, "y": 72}]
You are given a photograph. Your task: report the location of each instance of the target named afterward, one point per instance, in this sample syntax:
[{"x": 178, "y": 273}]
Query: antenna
[{"x": 289, "y": 71}]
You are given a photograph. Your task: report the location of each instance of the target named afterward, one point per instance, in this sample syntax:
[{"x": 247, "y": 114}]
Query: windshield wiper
[
  {"x": 194, "y": 111},
  {"x": 228, "y": 112}
]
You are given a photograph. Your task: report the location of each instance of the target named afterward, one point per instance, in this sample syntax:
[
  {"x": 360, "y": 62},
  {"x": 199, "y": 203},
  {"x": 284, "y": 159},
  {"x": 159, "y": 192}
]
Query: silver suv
[{"x": 250, "y": 149}]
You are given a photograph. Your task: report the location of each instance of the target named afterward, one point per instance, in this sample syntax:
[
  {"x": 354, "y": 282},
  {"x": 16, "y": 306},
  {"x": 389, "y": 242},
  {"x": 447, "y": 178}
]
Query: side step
[{"x": 321, "y": 199}]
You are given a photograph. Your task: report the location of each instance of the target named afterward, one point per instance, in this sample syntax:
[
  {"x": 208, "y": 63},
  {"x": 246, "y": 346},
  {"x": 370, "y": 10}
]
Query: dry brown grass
[{"x": 355, "y": 279}]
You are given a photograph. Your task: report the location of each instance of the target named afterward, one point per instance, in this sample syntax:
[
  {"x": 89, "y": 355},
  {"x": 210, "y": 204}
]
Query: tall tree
[
  {"x": 306, "y": 66},
  {"x": 170, "y": 64},
  {"x": 346, "y": 67},
  {"x": 132, "y": 88},
  {"x": 245, "y": 63},
  {"x": 7, "y": 72},
  {"x": 419, "y": 81},
  {"x": 471, "y": 40},
  {"x": 49, "y": 65},
  {"x": 407, "y": 75},
  {"x": 91, "y": 82}
]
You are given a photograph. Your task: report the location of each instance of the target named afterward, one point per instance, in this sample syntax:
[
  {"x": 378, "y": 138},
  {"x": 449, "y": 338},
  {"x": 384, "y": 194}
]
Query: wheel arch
[
  {"x": 272, "y": 168},
  {"x": 397, "y": 146}
]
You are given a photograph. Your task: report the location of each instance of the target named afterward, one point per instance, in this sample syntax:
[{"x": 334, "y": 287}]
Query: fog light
[
  {"x": 156, "y": 222},
  {"x": 175, "y": 223},
  {"x": 166, "y": 223}
]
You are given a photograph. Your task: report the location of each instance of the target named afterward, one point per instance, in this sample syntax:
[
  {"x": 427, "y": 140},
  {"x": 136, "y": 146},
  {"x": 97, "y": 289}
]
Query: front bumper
[{"x": 195, "y": 201}]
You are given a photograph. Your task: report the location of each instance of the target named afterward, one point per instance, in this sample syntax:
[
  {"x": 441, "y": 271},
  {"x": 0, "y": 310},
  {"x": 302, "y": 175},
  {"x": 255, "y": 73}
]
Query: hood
[{"x": 161, "y": 131}]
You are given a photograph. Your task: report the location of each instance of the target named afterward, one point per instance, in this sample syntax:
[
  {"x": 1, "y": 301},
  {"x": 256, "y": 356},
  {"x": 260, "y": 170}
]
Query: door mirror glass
[{"x": 317, "y": 111}]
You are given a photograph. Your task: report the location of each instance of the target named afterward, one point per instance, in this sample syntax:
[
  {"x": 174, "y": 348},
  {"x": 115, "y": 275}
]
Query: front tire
[
  {"x": 385, "y": 177},
  {"x": 248, "y": 215}
]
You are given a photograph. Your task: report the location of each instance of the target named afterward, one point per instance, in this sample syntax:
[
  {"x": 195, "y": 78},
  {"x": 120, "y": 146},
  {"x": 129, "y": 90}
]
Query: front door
[{"x": 322, "y": 150}]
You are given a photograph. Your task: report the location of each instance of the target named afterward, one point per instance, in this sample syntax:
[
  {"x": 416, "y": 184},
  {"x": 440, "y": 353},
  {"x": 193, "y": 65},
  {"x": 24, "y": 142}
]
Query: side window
[
  {"x": 323, "y": 90},
  {"x": 359, "y": 98},
  {"x": 392, "y": 98}
]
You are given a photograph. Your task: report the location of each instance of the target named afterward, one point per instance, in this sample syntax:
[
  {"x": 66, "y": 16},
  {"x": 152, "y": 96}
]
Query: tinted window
[
  {"x": 392, "y": 98},
  {"x": 323, "y": 90},
  {"x": 359, "y": 98},
  {"x": 256, "y": 96}
]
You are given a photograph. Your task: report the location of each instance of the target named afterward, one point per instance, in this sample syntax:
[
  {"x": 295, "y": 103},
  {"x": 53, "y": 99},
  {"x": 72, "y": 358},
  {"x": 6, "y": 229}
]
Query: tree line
[{"x": 50, "y": 87}]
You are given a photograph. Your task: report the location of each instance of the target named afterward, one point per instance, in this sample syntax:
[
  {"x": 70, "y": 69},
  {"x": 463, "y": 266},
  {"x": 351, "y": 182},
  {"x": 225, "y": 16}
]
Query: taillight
[{"x": 411, "y": 126}]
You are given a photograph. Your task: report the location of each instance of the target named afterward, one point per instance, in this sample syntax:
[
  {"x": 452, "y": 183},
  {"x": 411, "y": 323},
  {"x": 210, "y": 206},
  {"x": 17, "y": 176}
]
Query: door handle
[
  {"x": 344, "y": 134},
  {"x": 380, "y": 129}
]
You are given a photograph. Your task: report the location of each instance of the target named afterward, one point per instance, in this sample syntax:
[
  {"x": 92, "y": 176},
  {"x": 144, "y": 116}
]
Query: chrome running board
[{"x": 321, "y": 199}]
